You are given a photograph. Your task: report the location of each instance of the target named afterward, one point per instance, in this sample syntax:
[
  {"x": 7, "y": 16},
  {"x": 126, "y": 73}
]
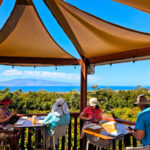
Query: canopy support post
[
  {"x": 83, "y": 95},
  {"x": 83, "y": 90}
]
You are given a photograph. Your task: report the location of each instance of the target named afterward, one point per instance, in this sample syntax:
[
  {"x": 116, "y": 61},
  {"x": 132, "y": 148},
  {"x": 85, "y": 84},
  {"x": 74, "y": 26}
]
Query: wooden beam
[
  {"x": 24, "y": 2},
  {"x": 34, "y": 61},
  {"x": 122, "y": 55},
  {"x": 1, "y": 2}
]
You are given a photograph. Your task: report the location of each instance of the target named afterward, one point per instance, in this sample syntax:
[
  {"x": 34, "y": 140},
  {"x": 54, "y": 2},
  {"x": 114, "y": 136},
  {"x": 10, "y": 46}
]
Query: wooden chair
[{"x": 137, "y": 148}]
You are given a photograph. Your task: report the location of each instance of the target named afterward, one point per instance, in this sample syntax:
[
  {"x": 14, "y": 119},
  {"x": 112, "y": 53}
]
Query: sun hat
[
  {"x": 6, "y": 101},
  {"x": 60, "y": 107},
  {"x": 93, "y": 102},
  {"x": 142, "y": 100}
]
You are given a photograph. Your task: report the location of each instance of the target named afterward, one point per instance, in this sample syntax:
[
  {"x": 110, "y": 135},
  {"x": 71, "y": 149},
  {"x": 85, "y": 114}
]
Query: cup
[
  {"x": 33, "y": 119},
  {"x": 113, "y": 125}
]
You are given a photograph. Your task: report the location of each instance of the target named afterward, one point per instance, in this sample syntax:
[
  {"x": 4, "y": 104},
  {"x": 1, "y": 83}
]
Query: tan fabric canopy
[
  {"x": 25, "y": 41},
  {"x": 24, "y": 36},
  {"x": 94, "y": 37},
  {"x": 143, "y": 5}
]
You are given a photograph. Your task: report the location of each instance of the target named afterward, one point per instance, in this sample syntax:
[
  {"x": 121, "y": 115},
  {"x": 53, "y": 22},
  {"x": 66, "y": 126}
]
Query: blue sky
[{"x": 118, "y": 74}]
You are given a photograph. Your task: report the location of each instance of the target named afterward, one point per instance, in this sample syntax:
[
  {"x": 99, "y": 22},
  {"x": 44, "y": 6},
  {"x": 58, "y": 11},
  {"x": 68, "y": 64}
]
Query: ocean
[{"x": 64, "y": 88}]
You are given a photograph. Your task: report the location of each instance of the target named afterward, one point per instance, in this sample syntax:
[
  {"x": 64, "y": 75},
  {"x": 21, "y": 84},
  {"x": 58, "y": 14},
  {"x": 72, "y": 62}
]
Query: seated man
[
  {"x": 59, "y": 116},
  {"x": 5, "y": 126},
  {"x": 142, "y": 128}
]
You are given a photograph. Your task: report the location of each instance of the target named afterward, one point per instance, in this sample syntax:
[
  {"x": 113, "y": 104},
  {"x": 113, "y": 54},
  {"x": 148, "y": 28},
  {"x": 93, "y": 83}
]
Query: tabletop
[
  {"x": 26, "y": 122},
  {"x": 101, "y": 133}
]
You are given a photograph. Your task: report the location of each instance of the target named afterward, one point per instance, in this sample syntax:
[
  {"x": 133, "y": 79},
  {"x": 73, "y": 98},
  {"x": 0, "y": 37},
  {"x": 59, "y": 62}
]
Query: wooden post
[
  {"x": 1, "y": 2},
  {"x": 83, "y": 90},
  {"x": 83, "y": 95}
]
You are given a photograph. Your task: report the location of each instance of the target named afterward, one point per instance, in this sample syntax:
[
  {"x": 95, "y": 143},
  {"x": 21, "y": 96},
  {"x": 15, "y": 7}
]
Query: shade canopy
[
  {"x": 143, "y": 5},
  {"x": 25, "y": 41},
  {"x": 24, "y": 38},
  {"x": 97, "y": 39}
]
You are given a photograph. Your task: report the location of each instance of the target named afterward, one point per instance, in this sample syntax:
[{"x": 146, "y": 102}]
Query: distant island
[{"x": 33, "y": 82}]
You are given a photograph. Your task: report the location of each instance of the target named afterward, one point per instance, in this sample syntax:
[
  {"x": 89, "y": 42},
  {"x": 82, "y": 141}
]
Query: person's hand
[
  {"x": 131, "y": 131},
  {"x": 20, "y": 115},
  {"x": 96, "y": 120},
  {"x": 13, "y": 114},
  {"x": 88, "y": 118}
]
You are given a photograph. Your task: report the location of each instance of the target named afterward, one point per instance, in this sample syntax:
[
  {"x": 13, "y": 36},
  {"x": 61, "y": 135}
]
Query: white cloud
[
  {"x": 50, "y": 75},
  {"x": 11, "y": 72}
]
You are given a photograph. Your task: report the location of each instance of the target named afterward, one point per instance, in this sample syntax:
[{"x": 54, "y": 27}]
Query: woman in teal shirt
[{"x": 59, "y": 116}]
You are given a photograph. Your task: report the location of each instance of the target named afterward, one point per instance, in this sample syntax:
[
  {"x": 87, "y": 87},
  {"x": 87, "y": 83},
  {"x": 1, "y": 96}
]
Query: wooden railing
[{"x": 73, "y": 135}]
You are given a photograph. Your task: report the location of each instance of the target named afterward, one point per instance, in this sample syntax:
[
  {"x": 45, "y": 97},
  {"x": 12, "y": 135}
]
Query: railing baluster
[
  {"x": 22, "y": 139},
  {"x": 127, "y": 141},
  {"x": 63, "y": 143},
  {"x": 120, "y": 145},
  {"x": 69, "y": 136},
  {"x": 75, "y": 133},
  {"x": 114, "y": 145},
  {"x": 58, "y": 142},
  {"x": 134, "y": 142},
  {"x": 29, "y": 139}
]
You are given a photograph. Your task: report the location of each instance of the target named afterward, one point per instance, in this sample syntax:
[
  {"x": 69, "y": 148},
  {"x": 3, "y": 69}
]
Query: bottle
[{"x": 34, "y": 119}]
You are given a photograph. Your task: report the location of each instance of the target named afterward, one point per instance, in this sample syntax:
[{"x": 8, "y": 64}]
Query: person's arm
[
  {"x": 2, "y": 120},
  {"x": 138, "y": 134},
  {"x": 83, "y": 117},
  {"x": 139, "y": 131},
  {"x": 19, "y": 115},
  {"x": 48, "y": 119}
]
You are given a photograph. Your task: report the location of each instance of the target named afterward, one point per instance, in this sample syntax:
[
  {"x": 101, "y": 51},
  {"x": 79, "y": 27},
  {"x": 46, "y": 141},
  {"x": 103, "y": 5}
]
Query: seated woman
[
  {"x": 91, "y": 114},
  {"x": 59, "y": 115},
  {"x": 5, "y": 117}
]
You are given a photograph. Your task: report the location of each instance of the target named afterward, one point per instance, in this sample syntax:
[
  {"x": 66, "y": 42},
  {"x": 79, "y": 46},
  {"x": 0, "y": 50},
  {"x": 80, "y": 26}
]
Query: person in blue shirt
[
  {"x": 142, "y": 127},
  {"x": 58, "y": 116}
]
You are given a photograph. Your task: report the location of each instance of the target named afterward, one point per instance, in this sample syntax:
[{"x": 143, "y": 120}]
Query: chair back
[
  {"x": 60, "y": 131},
  {"x": 137, "y": 148}
]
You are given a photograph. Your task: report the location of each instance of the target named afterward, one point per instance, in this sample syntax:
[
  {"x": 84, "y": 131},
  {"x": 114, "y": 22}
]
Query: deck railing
[{"x": 73, "y": 135}]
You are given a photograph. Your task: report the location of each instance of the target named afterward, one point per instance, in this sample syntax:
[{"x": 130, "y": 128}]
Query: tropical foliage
[{"x": 118, "y": 103}]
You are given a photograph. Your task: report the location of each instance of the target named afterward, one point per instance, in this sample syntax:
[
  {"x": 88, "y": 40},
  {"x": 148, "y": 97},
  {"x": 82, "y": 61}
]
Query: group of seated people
[{"x": 60, "y": 115}]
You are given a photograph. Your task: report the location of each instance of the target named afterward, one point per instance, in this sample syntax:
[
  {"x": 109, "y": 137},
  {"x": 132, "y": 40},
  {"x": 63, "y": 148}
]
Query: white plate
[
  {"x": 24, "y": 117},
  {"x": 115, "y": 133},
  {"x": 40, "y": 121}
]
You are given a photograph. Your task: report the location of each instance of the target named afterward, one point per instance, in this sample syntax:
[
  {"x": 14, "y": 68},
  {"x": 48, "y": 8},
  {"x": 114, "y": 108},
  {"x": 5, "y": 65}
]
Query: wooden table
[
  {"x": 39, "y": 126},
  {"x": 101, "y": 133}
]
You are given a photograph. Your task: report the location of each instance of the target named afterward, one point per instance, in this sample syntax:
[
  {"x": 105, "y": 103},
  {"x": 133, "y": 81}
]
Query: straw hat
[
  {"x": 142, "y": 100},
  {"x": 93, "y": 102}
]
